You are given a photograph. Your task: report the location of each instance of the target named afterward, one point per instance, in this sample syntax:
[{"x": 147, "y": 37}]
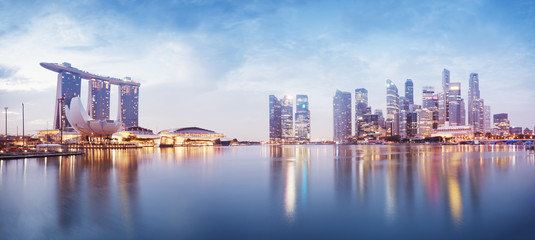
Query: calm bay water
[{"x": 251, "y": 192}]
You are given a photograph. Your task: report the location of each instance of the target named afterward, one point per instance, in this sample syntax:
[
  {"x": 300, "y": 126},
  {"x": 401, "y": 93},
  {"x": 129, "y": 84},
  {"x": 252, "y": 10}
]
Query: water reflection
[{"x": 289, "y": 181}]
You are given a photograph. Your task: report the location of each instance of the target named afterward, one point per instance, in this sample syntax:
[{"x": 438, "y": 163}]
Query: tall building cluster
[
  {"x": 69, "y": 86},
  {"x": 281, "y": 119}
]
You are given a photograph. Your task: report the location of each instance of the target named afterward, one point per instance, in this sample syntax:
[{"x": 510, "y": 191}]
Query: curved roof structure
[
  {"x": 56, "y": 67},
  {"x": 87, "y": 126},
  {"x": 191, "y": 130}
]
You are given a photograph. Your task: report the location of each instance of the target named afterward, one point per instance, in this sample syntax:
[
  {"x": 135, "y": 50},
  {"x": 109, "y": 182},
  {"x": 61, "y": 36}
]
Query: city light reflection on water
[{"x": 383, "y": 191}]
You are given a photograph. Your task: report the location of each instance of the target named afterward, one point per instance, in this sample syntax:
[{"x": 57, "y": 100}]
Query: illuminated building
[
  {"x": 444, "y": 107},
  {"x": 456, "y": 105},
  {"x": 302, "y": 119},
  {"x": 392, "y": 108},
  {"x": 425, "y": 122},
  {"x": 515, "y": 131},
  {"x": 275, "y": 130},
  {"x": 411, "y": 120},
  {"x": 191, "y": 136},
  {"x": 361, "y": 105},
  {"x": 128, "y": 113},
  {"x": 430, "y": 101},
  {"x": 287, "y": 119},
  {"x": 368, "y": 126},
  {"x": 454, "y": 131},
  {"x": 409, "y": 91},
  {"x": 99, "y": 99},
  {"x": 68, "y": 87},
  {"x": 487, "y": 120},
  {"x": 342, "y": 117},
  {"x": 475, "y": 104},
  {"x": 528, "y": 131},
  {"x": 502, "y": 126}
]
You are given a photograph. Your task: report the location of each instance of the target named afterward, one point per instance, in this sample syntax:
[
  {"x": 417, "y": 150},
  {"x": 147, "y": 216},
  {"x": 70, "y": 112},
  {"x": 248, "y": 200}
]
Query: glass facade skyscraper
[
  {"x": 275, "y": 130},
  {"x": 128, "y": 113},
  {"x": 342, "y": 117},
  {"x": 409, "y": 91},
  {"x": 302, "y": 119},
  {"x": 456, "y": 104},
  {"x": 444, "y": 105},
  {"x": 68, "y": 87},
  {"x": 99, "y": 99},
  {"x": 361, "y": 107},
  {"x": 287, "y": 119},
  {"x": 476, "y": 106},
  {"x": 502, "y": 125},
  {"x": 392, "y": 109}
]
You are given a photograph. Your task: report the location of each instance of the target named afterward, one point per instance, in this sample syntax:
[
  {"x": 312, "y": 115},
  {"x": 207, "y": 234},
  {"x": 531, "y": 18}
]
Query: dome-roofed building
[{"x": 191, "y": 136}]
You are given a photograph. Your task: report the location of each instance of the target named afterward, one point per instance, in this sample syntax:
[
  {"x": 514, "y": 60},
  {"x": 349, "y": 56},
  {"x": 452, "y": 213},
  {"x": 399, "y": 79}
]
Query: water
[{"x": 253, "y": 192}]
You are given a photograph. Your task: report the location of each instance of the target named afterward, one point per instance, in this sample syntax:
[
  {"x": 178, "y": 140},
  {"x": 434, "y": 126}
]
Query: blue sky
[{"x": 213, "y": 64}]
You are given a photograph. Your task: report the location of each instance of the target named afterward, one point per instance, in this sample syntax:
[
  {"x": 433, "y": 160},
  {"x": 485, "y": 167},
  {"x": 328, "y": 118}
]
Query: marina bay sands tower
[{"x": 98, "y": 106}]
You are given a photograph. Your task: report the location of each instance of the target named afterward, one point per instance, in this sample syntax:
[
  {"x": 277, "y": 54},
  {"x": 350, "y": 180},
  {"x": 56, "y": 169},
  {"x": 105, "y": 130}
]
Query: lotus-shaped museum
[{"x": 86, "y": 125}]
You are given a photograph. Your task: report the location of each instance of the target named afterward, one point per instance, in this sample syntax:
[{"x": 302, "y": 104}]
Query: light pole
[
  {"x": 61, "y": 107},
  {"x": 23, "y": 142},
  {"x": 5, "y": 108}
]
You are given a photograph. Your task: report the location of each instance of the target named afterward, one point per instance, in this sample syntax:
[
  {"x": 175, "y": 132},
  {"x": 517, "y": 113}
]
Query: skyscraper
[
  {"x": 444, "y": 105},
  {"x": 342, "y": 117},
  {"x": 476, "y": 104},
  {"x": 392, "y": 109},
  {"x": 409, "y": 91},
  {"x": 128, "y": 113},
  {"x": 502, "y": 126},
  {"x": 487, "y": 125},
  {"x": 275, "y": 129},
  {"x": 361, "y": 105},
  {"x": 287, "y": 119},
  {"x": 68, "y": 87},
  {"x": 99, "y": 99},
  {"x": 302, "y": 119},
  {"x": 456, "y": 105}
]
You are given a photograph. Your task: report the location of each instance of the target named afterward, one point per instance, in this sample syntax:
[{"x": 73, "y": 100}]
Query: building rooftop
[{"x": 56, "y": 67}]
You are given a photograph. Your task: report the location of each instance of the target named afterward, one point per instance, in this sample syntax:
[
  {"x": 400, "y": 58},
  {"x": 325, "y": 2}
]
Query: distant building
[
  {"x": 342, "y": 117},
  {"x": 369, "y": 126},
  {"x": 425, "y": 122},
  {"x": 458, "y": 132},
  {"x": 98, "y": 105},
  {"x": 528, "y": 131},
  {"x": 502, "y": 126},
  {"x": 275, "y": 127},
  {"x": 302, "y": 119},
  {"x": 68, "y": 87},
  {"x": 487, "y": 120},
  {"x": 361, "y": 106},
  {"x": 456, "y": 105},
  {"x": 129, "y": 105},
  {"x": 516, "y": 131},
  {"x": 444, "y": 106},
  {"x": 409, "y": 91},
  {"x": 287, "y": 120},
  {"x": 191, "y": 136},
  {"x": 476, "y": 109},
  {"x": 411, "y": 124},
  {"x": 392, "y": 109}
]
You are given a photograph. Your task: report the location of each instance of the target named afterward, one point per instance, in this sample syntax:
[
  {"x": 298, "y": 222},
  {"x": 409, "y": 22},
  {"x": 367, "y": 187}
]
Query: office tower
[
  {"x": 128, "y": 105},
  {"x": 444, "y": 106},
  {"x": 409, "y": 91},
  {"x": 429, "y": 98},
  {"x": 302, "y": 119},
  {"x": 501, "y": 124},
  {"x": 287, "y": 120},
  {"x": 361, "y": 105},
  {"x": 528, "y": 132},
  {"x": 475, "y": 104},
  {"x": 380, "y": 118},
  {"x": 68, "y": 87},
  {"x": 404, "y": 103},
  {"x": 487, "y": 125},
  {"x": 275, "y": 128},
  {"x": 99, "y": 99},
  {"x": 368, "y": 126},
  {"x": 342, "y": 117},
  {"x": 425, "y": 122},
  {"x": 456, "y": 104},
  {"x": 403, "y": 123},
  {"x": 411, "y": 121},
  {"x": 515, "y": 131},
  {"x": 392, "y": 109}
]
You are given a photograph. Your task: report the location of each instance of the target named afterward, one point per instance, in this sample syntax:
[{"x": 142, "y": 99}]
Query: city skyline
[{"x": 219, "y": 54}]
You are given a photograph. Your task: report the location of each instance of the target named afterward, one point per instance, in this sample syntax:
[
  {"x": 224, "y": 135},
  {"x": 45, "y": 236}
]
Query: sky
[{"x": 213, "y": 64}]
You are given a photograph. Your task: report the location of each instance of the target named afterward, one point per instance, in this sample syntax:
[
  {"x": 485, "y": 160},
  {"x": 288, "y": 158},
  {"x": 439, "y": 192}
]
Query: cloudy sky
[{"x": 213, "y": 64}]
